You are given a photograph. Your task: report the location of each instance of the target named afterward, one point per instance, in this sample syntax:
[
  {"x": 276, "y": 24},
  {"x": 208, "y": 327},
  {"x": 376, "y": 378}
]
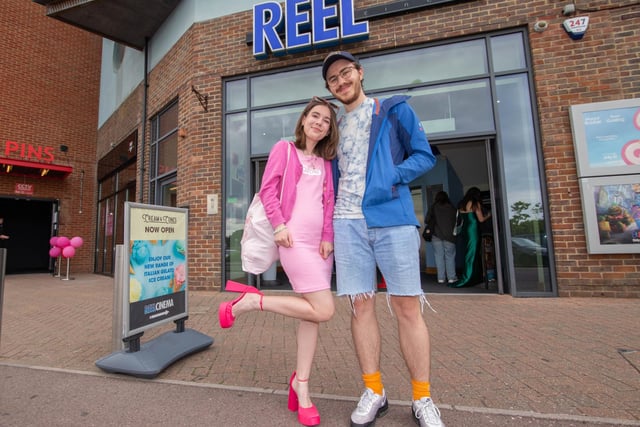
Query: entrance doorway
[
  {"x": 110, "y": 228},
  {"x": 460, "y": 166},
  {"x": 29, "y": 223}
]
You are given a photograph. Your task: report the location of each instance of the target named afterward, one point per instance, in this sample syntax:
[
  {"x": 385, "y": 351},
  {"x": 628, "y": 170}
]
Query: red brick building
[
  {"x": 494, "y": 83},
  {"x": 50, "y": 86}
]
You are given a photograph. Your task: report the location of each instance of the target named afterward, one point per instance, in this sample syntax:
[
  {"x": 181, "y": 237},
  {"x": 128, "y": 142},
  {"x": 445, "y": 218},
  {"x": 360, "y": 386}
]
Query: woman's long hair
[
  {"x": 473, "y": 195},
  {"x": 442, "y": 198},
  {"x": 327, "y": 147}
]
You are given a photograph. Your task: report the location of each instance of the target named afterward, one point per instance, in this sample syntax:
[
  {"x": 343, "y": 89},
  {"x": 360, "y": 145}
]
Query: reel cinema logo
[
  {"x": 305, "y": 24},
  {"x": 159, "y": 307}
]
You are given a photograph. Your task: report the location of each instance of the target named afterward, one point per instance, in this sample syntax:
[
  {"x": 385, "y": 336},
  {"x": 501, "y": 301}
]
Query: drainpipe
[{"x": 145, "y": 97}]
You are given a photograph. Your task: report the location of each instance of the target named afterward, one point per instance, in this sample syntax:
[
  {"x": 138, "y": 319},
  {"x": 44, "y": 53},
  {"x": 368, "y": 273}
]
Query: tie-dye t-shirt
[{"x": 353, "y": 150}]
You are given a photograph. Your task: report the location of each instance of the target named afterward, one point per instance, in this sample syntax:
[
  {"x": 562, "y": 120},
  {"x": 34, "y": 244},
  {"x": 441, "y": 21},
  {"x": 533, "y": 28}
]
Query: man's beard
[{"x": 350, "y": 99}]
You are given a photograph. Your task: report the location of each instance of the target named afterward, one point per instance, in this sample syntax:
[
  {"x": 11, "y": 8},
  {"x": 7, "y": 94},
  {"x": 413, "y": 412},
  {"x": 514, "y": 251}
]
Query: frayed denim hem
[
  {"x": 362, "y": 296},
  {"x": 371, "y": 294}
]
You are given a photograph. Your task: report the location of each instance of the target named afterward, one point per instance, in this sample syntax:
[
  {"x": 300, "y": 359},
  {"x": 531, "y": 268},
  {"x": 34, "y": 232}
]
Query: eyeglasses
[
  {"x": 345, "y": 73},
  {"x": 325, "y": 102}
]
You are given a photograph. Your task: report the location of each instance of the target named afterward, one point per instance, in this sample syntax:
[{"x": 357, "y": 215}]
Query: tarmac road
[{"x": 32, "y": 396}]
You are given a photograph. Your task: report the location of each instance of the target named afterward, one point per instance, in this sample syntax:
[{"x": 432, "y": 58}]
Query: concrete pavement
[{"x": 496, "y": 360}]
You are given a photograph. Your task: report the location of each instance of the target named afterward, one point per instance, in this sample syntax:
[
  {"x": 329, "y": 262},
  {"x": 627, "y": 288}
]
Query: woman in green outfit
[{"x": 470, "y": 208}]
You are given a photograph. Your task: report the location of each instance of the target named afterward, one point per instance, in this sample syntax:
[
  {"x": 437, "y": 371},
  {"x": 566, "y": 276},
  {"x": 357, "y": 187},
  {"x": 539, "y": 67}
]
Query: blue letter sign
[
  {"x": 307, "y": 24},
  {"x": 269, "y": 16}
]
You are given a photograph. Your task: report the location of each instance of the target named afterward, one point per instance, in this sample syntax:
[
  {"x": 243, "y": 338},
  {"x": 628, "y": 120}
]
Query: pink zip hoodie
[{"x": 280, "y": 212}]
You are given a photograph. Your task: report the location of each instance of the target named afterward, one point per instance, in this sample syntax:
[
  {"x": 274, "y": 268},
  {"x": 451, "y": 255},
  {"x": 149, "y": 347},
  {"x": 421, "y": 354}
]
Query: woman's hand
[
  {"x": 283, "y": 238},
  {"x": 325, "y": 249}
]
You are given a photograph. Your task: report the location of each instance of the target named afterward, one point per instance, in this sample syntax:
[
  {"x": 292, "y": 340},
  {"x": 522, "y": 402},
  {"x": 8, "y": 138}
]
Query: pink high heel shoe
[
  {"x": 225, "y": 310},
  {"x": 306, "y": 416}
]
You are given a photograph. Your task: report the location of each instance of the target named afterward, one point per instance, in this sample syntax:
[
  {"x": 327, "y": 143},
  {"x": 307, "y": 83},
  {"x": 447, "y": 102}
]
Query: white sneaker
[
  {"x": 425, "y": 413},
  {"x": 370, "y": 407}
]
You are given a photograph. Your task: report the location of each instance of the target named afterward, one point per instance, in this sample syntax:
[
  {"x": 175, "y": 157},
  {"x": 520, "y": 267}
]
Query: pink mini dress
[{"x": 306, "y": 269}]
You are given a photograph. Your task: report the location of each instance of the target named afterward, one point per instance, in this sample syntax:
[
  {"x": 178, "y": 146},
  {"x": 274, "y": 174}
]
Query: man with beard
[{"x": 382, "y": 149}]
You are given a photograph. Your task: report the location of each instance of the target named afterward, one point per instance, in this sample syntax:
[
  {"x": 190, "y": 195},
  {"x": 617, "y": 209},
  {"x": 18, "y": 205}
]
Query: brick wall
[
  {"x": 49, "y": 81},
  {"x": 602, "y": 66}
]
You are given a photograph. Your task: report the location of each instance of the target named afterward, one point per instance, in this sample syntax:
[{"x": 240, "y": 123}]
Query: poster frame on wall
[
  {"x": 606, "y": 137},
  {"x": 151, "y": 235},
  {"x": 601, "y": 230}
]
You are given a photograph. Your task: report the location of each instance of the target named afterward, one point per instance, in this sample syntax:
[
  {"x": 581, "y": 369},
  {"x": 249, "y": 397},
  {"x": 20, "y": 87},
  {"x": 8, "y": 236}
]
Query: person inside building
[
  {"x": 382, "y": 148},
  {"x": 441, "y": 219},
  {"x": 303, "y": 231},
  {"x": 470, "y": 208}
]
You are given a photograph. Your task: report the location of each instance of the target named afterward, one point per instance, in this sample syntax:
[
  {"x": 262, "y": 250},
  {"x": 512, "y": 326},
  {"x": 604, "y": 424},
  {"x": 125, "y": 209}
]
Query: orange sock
[
  {"x": 420, "y": 389},
  {"x": 373, "y": 381}
]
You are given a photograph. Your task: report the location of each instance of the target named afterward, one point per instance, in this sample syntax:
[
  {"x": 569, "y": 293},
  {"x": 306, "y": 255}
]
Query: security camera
[
  {"x": 540, "y": 26},
  {"x": 569, "y": 9}
]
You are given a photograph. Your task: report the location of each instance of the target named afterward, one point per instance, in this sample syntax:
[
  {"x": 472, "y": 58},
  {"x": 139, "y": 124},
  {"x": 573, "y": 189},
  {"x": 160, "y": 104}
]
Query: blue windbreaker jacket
[{"x": 398, "y": 153}]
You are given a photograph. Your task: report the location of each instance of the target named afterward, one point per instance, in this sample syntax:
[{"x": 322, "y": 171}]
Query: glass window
[
  {"x": 523, "y": 186},
  {"x": 507, "y": 52},
  {"x": 168, "y": 121},
  {"x": 169, "y": 193},
  {"x": 168, "y": 154},
  {"x": 164, "y": 151},
  {"x": 237, "y": 157},
  {"x": 108, "y": 185},
  {"x": 238, "y": 189},
  {"x": 270, "y": 126},
  {"x": 236, "y": 96},
  {"x": 459, "y": 108},
  {"x": 287, "y": 87},
  {"x": 127, "y": 177},
  {"x": 438, "y": 63},
  {"x": 452, "y": 90}
]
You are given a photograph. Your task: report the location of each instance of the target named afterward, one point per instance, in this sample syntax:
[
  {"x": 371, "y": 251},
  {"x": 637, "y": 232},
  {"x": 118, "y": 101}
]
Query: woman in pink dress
[{"x": 303, "y": 231}]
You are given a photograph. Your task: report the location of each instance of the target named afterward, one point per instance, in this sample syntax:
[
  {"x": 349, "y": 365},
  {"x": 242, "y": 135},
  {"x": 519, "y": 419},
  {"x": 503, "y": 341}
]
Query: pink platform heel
[
  {"x": 225, "y": 310},
  {"x": 306, "y": 416}
]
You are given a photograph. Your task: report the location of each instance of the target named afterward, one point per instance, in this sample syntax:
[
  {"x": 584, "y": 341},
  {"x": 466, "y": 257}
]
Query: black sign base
[{"x": 154, "y": 356}]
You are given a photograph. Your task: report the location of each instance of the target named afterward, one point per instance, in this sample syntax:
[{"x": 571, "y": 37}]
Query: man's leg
[
  {"x": 366, "y": 333},
  {"x": 366, "y": 339},
  {"x": 414, "y": 336},
  {"x": 355, "y": 271},
  {"x": 414, "y": 343}
]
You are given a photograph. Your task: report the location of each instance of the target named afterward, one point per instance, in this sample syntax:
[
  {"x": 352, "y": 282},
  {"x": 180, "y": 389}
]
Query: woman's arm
[{"x": 480, "y": 214}]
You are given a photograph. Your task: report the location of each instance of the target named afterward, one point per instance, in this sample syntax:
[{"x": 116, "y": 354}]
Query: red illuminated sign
[{"x": 28, "y": 152}]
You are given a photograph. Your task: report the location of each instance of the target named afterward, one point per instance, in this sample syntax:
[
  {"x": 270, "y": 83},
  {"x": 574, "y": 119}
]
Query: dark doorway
[{"x": 27, "y": 222}]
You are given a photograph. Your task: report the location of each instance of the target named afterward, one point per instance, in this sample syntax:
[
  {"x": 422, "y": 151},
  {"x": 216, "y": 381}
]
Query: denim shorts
[{"x": 358, "y": 249}]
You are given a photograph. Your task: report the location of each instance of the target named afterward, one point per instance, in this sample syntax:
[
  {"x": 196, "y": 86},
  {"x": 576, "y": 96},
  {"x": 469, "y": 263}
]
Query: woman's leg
[
  {"x": 312, "y": 307},
  {"x": 450, "y": 260},
  {"x": 438, "y": 253},
  {"x": 307, "y": 338}
]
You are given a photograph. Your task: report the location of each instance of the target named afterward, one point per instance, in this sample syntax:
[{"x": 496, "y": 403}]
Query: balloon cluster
[{"x": 64, "y": 246}]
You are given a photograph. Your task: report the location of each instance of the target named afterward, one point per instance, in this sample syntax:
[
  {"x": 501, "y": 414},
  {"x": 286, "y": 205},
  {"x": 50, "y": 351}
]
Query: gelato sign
[{"x": 157, "y": 264}]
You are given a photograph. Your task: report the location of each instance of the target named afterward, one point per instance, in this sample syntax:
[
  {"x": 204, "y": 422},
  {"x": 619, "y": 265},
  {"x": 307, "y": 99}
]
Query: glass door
[
  {"x": 274, "y": 277},
  {"x": 460, "y": 166}
]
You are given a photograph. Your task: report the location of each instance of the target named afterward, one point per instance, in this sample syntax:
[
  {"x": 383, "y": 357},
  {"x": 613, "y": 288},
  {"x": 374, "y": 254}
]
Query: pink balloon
[
  {"x": 62, "y": 242},
  {"x": 55, "y": 252},
  {"x": 69, "y": 252},
  {"x": 53, "y": 240},
  {"x": 76, "y": 242}
]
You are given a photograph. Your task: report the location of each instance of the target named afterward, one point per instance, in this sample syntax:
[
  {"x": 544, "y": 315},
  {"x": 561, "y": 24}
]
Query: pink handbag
[{"x": 258, "y": 249}]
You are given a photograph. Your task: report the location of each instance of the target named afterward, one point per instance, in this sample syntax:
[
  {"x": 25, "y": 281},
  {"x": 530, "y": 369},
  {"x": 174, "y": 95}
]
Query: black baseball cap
[{"x": 333, "y": 57}]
